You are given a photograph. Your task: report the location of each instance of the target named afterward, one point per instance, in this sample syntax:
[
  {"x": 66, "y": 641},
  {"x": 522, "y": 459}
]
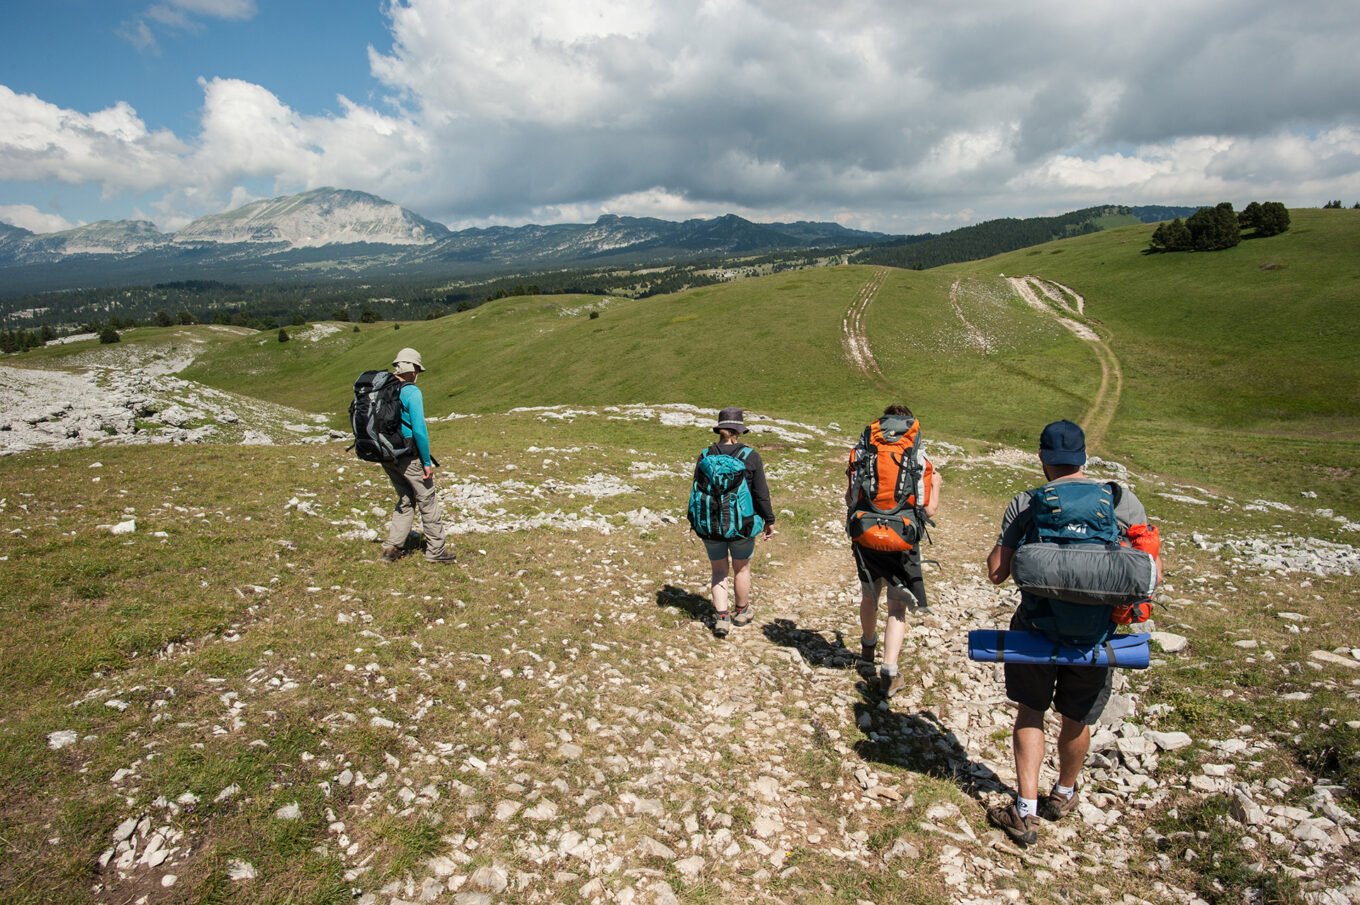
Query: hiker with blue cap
[{"x": 1069, "y": 508}]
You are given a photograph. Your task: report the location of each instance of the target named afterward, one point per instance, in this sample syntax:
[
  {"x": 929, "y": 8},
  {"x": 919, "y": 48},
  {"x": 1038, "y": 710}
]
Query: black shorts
[
  {"x": 1079, "y": 693},
  {"x": 901, "y": 570}
]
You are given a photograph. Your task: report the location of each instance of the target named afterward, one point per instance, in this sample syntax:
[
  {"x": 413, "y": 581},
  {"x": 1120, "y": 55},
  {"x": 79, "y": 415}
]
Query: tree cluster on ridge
[{"x": 1218, "y": 227}]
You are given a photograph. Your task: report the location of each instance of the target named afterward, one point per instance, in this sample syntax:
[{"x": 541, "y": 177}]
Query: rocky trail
[{"x": 630, "y": 763}]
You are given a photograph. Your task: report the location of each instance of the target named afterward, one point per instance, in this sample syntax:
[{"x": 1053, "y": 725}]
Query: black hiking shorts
[
  {"x": 1079, "y": 693},
  {"x": 900, "y": 570}
]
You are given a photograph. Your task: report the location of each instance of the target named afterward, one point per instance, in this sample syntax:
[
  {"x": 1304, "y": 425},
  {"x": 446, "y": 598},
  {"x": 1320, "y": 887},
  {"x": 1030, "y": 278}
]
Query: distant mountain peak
[{"x": 311, "y": 219}]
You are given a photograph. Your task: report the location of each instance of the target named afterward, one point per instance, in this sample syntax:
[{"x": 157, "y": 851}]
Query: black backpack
[{"x": 375, "y": 416}]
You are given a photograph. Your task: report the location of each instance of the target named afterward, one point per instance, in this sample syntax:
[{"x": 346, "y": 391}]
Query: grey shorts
[{"x": 737, "y": 549}]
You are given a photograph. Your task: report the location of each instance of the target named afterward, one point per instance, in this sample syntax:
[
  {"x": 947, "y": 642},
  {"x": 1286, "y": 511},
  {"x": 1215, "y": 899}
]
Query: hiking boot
[
  {"x": 1006, "y": 817},
  {"x": 392, "y": 554},
  {"x": 1055, "y": 805},
  {"x": 866, "y": 653},
  {"x": 722, "y": 625},
  {"x": 741, "y": 615},
  {"x": 444, "y": 558},
  {"x": 890, "y": 685}
]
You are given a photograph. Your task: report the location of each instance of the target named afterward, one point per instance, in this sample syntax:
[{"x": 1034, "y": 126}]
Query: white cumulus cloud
[
  {"x": 40, "y": 141},
  {"x": 902, "y": 117},
  {"x": 28, "y": 217}
]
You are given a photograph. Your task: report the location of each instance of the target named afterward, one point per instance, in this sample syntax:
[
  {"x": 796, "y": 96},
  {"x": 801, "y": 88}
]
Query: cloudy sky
[{"x": 894, "y": 115}]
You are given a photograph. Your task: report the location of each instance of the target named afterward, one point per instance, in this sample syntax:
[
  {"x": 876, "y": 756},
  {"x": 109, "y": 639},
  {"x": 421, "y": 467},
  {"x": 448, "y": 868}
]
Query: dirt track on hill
[
  {"x": 1100, "y": 415},
  {"x": 855, "y": 335}
]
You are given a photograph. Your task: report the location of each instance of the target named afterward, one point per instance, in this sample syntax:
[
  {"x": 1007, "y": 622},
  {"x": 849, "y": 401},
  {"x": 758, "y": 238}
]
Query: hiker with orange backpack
[
  {"x": 893, "y": 493},
  {"x": 1069, "y": 512},
  {"x": 729, "y": 507}
]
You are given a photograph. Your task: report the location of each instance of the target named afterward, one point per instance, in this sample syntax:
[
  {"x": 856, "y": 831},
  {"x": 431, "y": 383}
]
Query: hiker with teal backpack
[
  {"x": 729, "y": 506},
  {"x": 1070, "y": 509},
  {"x": 388, "y": 418}
]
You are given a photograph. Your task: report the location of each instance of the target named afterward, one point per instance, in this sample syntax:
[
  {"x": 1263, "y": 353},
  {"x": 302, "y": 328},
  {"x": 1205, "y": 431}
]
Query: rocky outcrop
[{"x": 50, "y": 409}]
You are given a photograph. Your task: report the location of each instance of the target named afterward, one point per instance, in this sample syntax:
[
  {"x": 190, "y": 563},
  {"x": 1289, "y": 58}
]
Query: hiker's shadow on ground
[
  {"x": 921, "y": 743},
  {"x": 812, "y": 646},
  {"x": 697, "y": 608}
]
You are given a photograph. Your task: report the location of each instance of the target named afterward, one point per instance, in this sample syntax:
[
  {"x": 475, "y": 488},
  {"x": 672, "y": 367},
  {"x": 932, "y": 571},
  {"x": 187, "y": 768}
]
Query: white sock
[
  {"x": 1028, "y": 807},
  {"x": 1065, "y": 791}
]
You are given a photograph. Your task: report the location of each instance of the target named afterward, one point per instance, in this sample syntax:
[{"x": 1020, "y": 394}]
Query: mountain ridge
[{"x": 355, "y": 234}]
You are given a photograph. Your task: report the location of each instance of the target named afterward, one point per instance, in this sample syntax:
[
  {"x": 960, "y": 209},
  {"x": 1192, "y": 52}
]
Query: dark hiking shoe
[
  {"x": 1055, "y": 805},
  {"x": 890, "y": 685},
  {"x": 866, "y": 652},
  {"x": 392, "y": 554},
  {"x": 1006, "y": 817},
  {"x": 742, "y": 615},
  {"x": 448, "y": 556},
  {"x": 722, "y": 624}
]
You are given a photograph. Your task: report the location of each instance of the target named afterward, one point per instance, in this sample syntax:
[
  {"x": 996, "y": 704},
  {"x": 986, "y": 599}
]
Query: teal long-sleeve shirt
[{"x": 413, "y": 421}]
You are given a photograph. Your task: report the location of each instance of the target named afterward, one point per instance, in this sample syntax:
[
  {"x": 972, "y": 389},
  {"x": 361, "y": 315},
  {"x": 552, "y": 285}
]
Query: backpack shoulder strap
[{"x": 744, "y": 453}]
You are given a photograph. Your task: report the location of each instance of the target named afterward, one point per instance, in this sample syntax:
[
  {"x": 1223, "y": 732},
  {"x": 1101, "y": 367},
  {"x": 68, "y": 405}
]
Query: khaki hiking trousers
[{"x": 414, "y": 493}]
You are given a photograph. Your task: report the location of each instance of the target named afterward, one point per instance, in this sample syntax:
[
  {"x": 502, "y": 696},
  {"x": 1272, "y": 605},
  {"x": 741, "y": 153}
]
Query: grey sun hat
[
  {"x": 731, "y": 419},
  {"x": 407, "y": 360}
]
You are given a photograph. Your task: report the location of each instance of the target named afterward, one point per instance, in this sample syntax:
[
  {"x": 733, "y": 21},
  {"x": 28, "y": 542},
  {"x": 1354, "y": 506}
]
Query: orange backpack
[
  {"x": 887, "y": 470},
  {"x": 1148, "y": 539}
]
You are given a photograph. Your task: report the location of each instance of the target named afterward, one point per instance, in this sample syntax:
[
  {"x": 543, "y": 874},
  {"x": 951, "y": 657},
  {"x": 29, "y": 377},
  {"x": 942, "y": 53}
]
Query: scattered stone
[
  {"x": 1326, "y": 656},
  {"x": 288, "y": 812},
  {"x": 61, "y": 738},
  {"x": 691, "y": 867},
  {"x": 493, "y": 879},
  {"x": 1170, "y": 741},
  {"x": 1170, "y": 642}
]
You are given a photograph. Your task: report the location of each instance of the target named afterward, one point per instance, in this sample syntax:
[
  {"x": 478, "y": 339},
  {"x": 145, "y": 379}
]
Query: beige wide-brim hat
[{"x": 407, "y": 360}]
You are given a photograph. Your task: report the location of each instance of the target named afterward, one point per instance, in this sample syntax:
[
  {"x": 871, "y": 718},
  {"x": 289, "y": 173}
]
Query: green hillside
[
  {"x": 772, "y": 344},
  {"x": 1235, "y": 364},
  {"x": 1242, "y": 363}
]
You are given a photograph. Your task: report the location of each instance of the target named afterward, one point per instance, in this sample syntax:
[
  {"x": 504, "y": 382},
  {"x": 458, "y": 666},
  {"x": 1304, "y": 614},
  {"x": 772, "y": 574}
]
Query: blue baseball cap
[{"x": 1062, "y": 443}]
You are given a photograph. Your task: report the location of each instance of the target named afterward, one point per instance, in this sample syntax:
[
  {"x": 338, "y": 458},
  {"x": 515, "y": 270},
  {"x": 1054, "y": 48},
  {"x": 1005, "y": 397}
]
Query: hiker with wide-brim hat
[
  {"x": 729, "y": 507},
  {"x": 412, "y": 475}
]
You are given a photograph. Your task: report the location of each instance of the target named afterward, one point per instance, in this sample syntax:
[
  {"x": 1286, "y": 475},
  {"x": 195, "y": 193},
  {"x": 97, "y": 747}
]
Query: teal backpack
[
  {"x": 720, "y": 504},
  {"x": 1073, "y": 512}
]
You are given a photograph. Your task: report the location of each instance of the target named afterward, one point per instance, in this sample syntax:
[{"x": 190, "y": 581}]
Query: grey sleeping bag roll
[{"x": 1085, "y": 573}]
